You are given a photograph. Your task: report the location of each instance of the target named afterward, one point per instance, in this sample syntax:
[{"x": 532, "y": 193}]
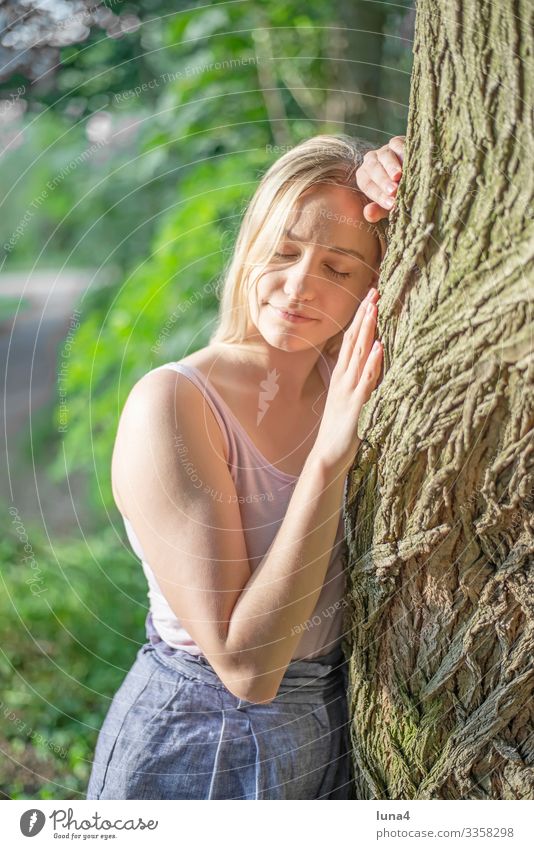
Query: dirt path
[{"x": 29, "y": 346}]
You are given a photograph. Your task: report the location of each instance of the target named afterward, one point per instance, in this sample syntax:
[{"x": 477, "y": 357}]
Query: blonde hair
[{"x": 320, "y": 159}]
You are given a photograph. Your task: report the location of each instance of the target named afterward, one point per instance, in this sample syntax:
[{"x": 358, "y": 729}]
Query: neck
[{"x": 293, "y": 372}]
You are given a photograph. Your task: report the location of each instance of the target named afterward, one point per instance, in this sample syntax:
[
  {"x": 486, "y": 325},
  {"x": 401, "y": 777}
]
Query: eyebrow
[{"x": 330, "y": 248}]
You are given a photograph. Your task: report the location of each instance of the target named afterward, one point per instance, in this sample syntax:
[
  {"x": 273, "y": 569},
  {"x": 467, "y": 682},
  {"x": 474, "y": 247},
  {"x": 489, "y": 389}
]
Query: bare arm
[{"x": 283, "y": 591}]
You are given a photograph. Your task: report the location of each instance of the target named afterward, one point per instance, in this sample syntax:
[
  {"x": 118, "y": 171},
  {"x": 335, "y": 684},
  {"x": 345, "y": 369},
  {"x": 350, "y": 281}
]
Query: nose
[{"x": 298, "y": 282}]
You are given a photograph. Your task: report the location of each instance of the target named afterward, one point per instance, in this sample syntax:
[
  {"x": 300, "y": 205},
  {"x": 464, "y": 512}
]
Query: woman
[{"x": 229, "y": 470}]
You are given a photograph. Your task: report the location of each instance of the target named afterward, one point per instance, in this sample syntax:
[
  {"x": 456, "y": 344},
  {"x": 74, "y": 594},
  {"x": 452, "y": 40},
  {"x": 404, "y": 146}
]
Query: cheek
[
  {"x": 340, "y": 315},
  {"x": 261, "y": 293},
  {"x": 260, "y": 282},
  {"x": 341, "y": 306},
  {"x": 256, "y": 294},
  {"x": 266, "y": 284}
]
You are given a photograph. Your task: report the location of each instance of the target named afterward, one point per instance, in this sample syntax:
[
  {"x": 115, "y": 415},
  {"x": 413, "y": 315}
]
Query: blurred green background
[{"x": 129, "y": 153}]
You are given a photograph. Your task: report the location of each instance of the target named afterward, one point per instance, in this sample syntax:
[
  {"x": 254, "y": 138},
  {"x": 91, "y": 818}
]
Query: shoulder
[
  {"x": 167, "y": 400},
  {"x": 164, "y": 406},
  {"x": 167, "y": 384}
]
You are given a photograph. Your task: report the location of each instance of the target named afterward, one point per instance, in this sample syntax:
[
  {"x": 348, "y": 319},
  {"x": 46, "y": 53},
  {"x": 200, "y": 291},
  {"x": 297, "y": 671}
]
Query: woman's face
[{"x": 323, "y": 268}]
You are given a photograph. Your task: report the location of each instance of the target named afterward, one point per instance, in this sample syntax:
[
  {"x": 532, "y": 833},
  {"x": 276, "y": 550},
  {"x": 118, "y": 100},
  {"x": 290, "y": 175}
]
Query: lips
[{"x": 291, "y": 316}]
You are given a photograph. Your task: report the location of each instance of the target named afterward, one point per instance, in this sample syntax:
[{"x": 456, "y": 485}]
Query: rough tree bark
[{"x": 439, "y": 504}]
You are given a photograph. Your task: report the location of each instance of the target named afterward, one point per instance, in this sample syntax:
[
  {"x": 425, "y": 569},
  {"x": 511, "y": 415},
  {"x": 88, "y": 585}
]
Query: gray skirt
[{"x": 174, "y": 731}]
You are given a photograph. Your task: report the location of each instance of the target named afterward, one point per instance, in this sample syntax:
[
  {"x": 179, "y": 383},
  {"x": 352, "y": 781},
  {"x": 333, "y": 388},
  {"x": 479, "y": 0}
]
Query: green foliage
[
  {"x": 68, "y": 638},
  {"x": 70, "y": 201}
]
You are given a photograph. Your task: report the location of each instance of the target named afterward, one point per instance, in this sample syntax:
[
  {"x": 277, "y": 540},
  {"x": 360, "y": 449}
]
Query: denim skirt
[{"x": 174, "y": 731}]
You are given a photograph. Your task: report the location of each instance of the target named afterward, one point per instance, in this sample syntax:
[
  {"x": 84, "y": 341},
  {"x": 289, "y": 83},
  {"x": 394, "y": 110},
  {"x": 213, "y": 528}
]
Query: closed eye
[{"x": 338, "y": 274}]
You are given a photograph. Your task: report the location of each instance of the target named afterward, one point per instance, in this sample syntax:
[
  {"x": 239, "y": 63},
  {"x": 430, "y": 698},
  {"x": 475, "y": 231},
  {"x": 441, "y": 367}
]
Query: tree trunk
[{"x": 439, "y": 507}]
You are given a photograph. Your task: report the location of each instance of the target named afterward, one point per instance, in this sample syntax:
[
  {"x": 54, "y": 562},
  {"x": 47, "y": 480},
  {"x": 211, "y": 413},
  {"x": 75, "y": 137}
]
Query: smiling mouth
[{"x": 290, "y": 317}]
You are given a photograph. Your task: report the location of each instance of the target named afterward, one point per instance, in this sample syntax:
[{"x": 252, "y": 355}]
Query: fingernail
[
  {"x": 388, "y": 202},
  {"x": 376, "y": 345},
  {"x": 370, "y": 293},
  {"x": 370, "y": 308},
  {"x": 392, "y": 188}
]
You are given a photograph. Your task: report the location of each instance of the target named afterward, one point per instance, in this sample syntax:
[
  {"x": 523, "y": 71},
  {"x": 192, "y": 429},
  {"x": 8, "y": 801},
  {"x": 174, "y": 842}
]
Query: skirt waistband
[{"x": 304, "y": 680}]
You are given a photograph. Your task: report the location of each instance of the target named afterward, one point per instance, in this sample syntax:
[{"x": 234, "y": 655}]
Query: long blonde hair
[{"x": 320, "y": 159}]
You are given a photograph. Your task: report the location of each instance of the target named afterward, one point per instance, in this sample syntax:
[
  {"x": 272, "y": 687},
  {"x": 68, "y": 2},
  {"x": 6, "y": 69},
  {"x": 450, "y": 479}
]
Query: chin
[
  {"x": 284, "y": 343},
  {"x": 288, "y": 341}
]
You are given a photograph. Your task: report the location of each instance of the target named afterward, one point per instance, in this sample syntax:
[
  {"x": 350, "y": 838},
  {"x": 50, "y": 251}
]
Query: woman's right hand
[
  {"x": 354, "y": 377},
  {"x": 378, "y": 178}
]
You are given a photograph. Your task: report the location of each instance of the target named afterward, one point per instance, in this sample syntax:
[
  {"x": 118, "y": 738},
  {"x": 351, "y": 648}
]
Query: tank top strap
[{"x": 215, "y": 402}]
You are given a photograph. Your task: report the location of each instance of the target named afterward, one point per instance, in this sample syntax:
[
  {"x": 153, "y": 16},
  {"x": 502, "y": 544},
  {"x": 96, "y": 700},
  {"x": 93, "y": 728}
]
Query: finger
[
  {"x": 397, "y": 145},
  {"x": 363, "y": 344},
  {"x": 370, "y": 374},
  {"x": 374, "y": 193},
  {"x": 351, "y": 334},
  {"x": 373, "y": 212},
  {"x": 389, "y": 159},
  {"x": 379, "y": 177}
]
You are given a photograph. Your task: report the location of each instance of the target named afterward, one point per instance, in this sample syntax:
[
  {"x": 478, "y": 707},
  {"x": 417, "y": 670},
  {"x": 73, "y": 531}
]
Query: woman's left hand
[{"x": 378, "y": 178}]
